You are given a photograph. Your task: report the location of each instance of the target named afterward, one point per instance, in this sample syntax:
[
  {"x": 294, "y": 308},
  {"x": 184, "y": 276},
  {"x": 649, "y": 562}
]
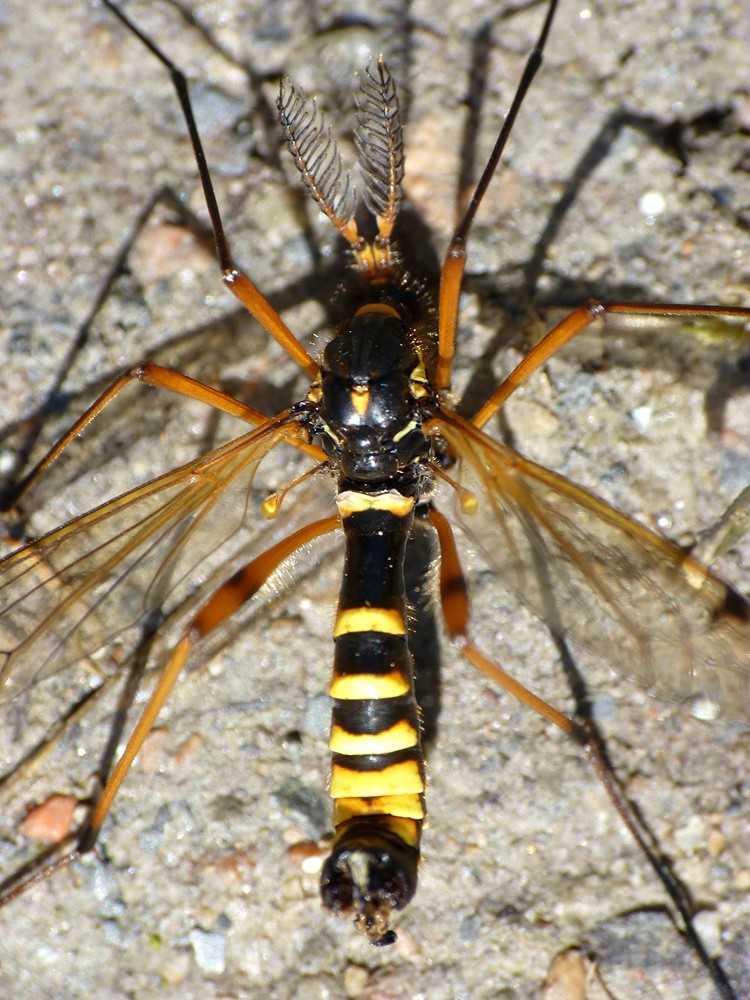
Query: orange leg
[
  {"x": 160, "y": 378},
  {"x": 451, "y": 275},
  {"x": 455, "y": 604},
  {"x": 228, "y": 598},
  {"x": 233, "y": 278},
  {"x": 242, "y": 586},
  {"x": 576, "y": 323}
]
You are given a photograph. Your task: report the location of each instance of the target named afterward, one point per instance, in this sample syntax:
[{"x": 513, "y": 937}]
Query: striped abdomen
[{"x": 377, "y": 780}]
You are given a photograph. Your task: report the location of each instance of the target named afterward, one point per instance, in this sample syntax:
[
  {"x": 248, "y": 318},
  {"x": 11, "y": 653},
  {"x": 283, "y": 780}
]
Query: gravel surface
[{"x": 204, "y": 893}]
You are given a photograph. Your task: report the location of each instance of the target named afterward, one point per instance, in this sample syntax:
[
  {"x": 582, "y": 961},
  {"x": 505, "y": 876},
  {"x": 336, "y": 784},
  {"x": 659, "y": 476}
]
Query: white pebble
[
  {"x": 210, "y": 951},
  {"x": 651, "y": 204}
]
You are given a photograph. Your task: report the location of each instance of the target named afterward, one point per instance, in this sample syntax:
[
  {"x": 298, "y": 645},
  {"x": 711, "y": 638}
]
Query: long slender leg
[
  {"x": 236, "y": 591},
  {"x": 733, "y": 524},
  {"x": 578, "y": 321},
  {"x": 233, "y": 278},
  {"x": 455, "y": 603},
  {"x": 160, "y": 378},
  {"x": 30, "y": 427},
  {"x": 451, "y": 276},
  {"x": 239, "y": 589}
]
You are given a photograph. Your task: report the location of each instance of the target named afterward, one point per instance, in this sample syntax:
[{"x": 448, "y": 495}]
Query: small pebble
[
  {"x": 188, "y": 749},
  {"x": 176, "y": 969},
  {"x": 567, "y": 977},
  {"x": 235, "y": 867},
  {"x": 691, "y": 836},
  {"x": 716, "y": 842},
  {"x": 708, "y": 926},
  {"x": 641, "y": 416},
  {"x": 210, "y": 951},
  {"x": 151, "y": 756},
  {"x": 112, "y": 932},
  {"x": 165, "y": 250},
  {"x": 651, "y": 204},
  {"x": 308, "y": 855},
  {"x": 355, "y": 980},
  {"x": 51, "y": 821}
]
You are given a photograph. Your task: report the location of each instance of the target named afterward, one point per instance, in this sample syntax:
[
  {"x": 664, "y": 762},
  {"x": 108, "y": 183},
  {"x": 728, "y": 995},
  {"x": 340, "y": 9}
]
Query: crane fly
[{"x": 618, "y": 590}]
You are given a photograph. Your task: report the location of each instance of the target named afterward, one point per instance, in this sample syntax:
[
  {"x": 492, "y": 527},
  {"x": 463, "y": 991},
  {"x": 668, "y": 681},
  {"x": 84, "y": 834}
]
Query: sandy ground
[{"x": 200, "y": 896}]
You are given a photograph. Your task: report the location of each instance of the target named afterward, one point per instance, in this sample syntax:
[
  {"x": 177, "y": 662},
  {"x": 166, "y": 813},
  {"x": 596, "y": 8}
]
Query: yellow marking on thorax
[
  {"x": 351, "y": 502},
  {"x": 360, "y": 397},
  {"x": 402, "y": 778},
  {"x": 387, "y": 620},
  {"x": 398, "y": 737},
  {"x": 378, "y": 307},
  {"x": 404, "y": 431},
  {"x": 366, "y": 687},
  {"x": 419, "y": 384}
]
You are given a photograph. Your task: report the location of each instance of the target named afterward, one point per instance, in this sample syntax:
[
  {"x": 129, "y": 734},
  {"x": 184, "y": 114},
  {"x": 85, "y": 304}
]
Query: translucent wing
[
  {"x": 604, "y": 582},
  {"x": 67, "y": 594}
]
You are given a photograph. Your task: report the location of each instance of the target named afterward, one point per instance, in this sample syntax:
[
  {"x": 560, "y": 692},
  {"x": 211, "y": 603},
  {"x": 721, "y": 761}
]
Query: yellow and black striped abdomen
[{"x": 377, "y": 779}]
